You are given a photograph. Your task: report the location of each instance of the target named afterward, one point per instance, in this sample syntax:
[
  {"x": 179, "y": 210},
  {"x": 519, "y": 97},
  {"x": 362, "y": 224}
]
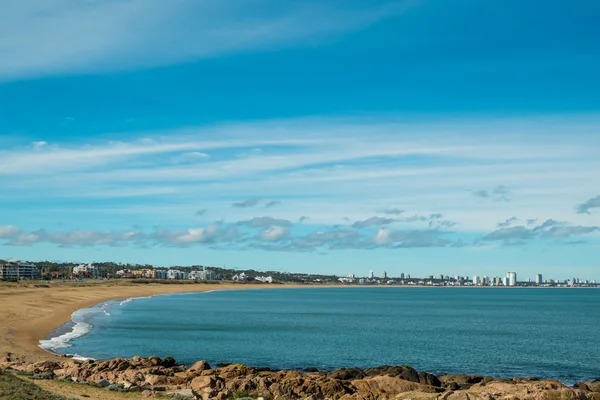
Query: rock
[
  {"x": 147, "y": 393},
  {"x": 404, "y": 372},
  {"x": 126, "y": 385},
  {"x": 156, "y": 380},
  {"x": 594, "y": 386},
  {"x": 581, "y": 386},
  {"x": 183, "y": 393},
  {"x": 103, "y": 383},
  {"x": 202, "y": 382},
  {"x": 429, "y": 379},
  {"x": 310, "y": 369},
  {"x": 347, "y": 373},
  {"x": 376, "y": 387},
  {"x": 462, "y": 379},
  {"x": 199, "y": 367},
  {"x": 315, "y": 397},
  {"x": 168, "y": 362},
  {"x": 452, "y": 386}
]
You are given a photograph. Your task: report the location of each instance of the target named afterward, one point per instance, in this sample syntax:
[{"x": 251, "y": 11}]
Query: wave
[
  {"x": 134, "y": 298},
  {"x": 80, "y": 328}
]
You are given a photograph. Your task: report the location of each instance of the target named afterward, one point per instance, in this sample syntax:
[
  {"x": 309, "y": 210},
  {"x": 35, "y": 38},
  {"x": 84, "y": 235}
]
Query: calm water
[{"x": 499, "y": 332}]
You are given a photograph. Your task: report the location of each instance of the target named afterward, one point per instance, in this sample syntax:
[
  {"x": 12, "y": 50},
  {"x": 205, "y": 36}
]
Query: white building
[
  {"x": 475, "y": 280},
  {"x": 384, "y": 275},
  {"x": 505, "y": 281},
  {"x": 264, "y": 279},
  {"x": 538, "y": 279},
  {"x": 512, "y": 278},
  {"x": 205, "y": 275},
  {"x": 176, "y": 274},
  {"x": 86, "y": 270},
  {"x": 240, "y": 277}
]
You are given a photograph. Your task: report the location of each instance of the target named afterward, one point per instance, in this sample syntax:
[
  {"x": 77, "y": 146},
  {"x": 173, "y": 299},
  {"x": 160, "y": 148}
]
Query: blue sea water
[{"x": 500, "y": 332}]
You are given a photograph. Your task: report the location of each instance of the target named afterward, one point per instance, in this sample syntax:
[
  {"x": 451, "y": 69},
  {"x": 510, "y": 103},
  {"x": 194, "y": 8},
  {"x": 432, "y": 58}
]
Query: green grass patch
[{"x": 13, "y": 388}]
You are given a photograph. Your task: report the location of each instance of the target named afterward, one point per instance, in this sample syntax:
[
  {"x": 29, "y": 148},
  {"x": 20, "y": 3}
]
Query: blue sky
[{"x": 424, "y": 137}]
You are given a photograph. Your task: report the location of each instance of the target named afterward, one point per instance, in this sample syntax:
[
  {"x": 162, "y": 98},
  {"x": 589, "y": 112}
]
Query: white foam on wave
[
  {"x": 81, "y": 358},
  {"x": 79, "y": 329},
  {"x": 134, "y": 298}
]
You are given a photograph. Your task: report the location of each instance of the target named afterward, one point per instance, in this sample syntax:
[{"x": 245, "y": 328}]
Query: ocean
[{"x": 547, "y": 333}]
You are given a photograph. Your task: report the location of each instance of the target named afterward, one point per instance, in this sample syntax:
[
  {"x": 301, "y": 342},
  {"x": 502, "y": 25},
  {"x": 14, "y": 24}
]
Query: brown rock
[
  {"x": 404, "y": 372},
  {"x": 202, "y": 382},
  {"x": 155, "y": 380},
  {"x": 199, "y": 366},
  {"x": 347, "y": 373}
]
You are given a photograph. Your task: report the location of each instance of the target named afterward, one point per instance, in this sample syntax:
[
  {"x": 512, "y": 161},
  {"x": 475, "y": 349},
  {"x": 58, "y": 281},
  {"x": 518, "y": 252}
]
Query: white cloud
[
  {"x": 363, "y": 168},
  {"x": 41, "y": 37},
  {"x": 9, "y": 231},
  {"x": 273, "y": 233}
]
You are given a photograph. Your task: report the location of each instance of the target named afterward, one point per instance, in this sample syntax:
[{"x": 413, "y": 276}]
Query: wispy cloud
[
  {"x": 373, "y": 221},
  {"x": 343, "y": 176},
  {"x": 247, "y": 203},
  {"x": 508, "y": 222},
  {"x": 36, "y": 36},
  {"x": 272, "y": 203},
  {"x": 391, "y": 211},
  {"x": 499, "y": 193},
  {"x": 588, "y": 205},
  {"x": 547, "y": 230}
]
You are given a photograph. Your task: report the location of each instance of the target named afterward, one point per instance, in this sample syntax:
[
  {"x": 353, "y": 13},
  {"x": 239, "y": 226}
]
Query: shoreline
[{"x": 30, "y": 314}]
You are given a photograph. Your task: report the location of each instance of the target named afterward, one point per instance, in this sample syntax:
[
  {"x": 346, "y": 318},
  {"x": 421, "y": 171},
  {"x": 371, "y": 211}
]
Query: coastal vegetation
[{"x": 13, "y": 387}]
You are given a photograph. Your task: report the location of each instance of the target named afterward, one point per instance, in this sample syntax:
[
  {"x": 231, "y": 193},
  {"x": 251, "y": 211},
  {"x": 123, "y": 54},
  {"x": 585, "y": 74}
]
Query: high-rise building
[
  {"x": 384, "y": 275},
  {"x": 402, "y": 275},
  {"x": 475, "y": 280},
  {"x": 505, "y": 281},
  {"x": 371, "y": 276},
  {"x": 538, "y": 279},
  {"x": 512, "y": 278}
]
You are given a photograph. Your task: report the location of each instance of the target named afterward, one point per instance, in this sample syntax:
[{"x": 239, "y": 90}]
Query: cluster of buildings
[
  {"x": 16, "y": 271},
  {"x": 171, "y": 273},
  {"x": 242, "y": 277},
  {"x": 509, "y": 280},
  {"x": 86, "y": 271}
]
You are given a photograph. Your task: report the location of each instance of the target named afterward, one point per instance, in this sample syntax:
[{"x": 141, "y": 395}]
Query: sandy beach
[{"x": 28, "y": 314}]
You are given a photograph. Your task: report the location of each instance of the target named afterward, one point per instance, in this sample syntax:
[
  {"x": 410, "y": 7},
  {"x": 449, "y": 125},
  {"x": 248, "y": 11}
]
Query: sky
[{"x": 455, "y": 137}]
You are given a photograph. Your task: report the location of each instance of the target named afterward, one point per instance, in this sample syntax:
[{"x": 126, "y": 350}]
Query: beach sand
[{"x": 29, "y": 313}]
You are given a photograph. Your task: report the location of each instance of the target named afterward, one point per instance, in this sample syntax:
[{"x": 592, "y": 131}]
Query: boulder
[
  {"x": 404, "y": 372},
  {"x": 429, "y": 379},
  {"x": 103, "y": 383},
  {"x": 199, "y": 366},
  {"x": 202, "y": 382},
  {"x": 155, "y": 380},
  {"x": 168, "y": 362},
  {"x": 347, "y": 374}
]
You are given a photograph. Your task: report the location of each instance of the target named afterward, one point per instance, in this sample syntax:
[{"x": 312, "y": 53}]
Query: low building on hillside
[
  {"x": 264, "y": 279},
  {"x": 240, "y": 277},
  {"x": 16, "y": 271}
]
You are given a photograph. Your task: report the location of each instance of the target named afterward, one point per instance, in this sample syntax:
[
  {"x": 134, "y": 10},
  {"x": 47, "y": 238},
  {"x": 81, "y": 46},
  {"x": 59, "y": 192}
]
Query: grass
[{"x": 13, "y": 388}]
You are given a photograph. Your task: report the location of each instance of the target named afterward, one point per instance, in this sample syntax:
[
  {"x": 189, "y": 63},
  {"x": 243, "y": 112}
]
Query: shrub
[
  {"x": 116, "y": 387},
  {"x": 44, "y": 375}
]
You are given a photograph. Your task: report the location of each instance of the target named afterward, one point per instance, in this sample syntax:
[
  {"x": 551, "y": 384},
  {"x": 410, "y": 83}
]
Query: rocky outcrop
[{"x": 152, "y": 375}]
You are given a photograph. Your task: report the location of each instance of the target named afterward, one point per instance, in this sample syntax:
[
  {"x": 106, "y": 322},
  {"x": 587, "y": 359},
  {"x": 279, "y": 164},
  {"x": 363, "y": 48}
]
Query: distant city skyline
[{"x": 415, "y": 137}]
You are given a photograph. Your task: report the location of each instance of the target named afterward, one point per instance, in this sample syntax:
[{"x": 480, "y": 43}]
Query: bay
[{"x": 548, "y": 333}]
